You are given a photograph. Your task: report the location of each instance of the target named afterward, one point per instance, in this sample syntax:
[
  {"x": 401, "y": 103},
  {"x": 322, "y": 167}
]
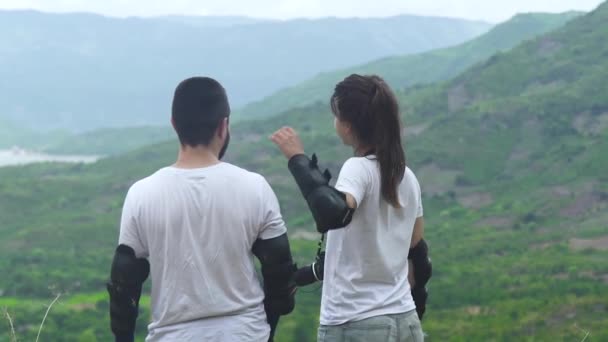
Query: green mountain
[
  {"x": 409, "y": 70},
  {"x": 216, "y": 21},
  {"x": 100, "y": 142},
  {"x": 83, "y": 71},
  {"x": 512, "y": 156},
  {"x": 399, "y": 71},
  {"x": 13, "y": 134},
  {"x": 108, "y": 141}
]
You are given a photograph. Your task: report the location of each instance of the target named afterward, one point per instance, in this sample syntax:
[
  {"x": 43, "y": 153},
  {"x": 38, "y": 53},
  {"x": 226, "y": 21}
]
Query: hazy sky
[{"x": 489, "y": 10}]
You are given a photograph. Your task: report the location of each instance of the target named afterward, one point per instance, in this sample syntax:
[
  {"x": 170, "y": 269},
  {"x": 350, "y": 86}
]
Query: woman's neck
[{"x": 361, "y": 151}]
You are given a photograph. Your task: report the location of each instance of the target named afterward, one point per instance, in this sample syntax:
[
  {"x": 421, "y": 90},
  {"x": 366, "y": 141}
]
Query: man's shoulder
[
  {"x": 144, "y": 184},
  {"x": 242, "y": 173}
]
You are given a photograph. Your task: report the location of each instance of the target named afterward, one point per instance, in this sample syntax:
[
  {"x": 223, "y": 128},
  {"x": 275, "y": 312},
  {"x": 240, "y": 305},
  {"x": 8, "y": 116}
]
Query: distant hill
[
  {"x": 399, "y": 71},
  {"x": 219, "y": 21},
  {"x": 108, "y": 141},
  {"x": 408, "y": 70},
  {"x": 13, "y": 134},
  {"x": 84, "y": 71}
]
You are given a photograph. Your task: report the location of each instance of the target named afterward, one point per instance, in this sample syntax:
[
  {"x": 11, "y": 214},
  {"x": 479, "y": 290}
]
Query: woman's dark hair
[{"x": 368, "y": 104}]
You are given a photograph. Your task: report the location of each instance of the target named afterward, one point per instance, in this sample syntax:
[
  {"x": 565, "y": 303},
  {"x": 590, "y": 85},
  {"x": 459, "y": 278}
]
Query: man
[{"x": 195, "y": 226}]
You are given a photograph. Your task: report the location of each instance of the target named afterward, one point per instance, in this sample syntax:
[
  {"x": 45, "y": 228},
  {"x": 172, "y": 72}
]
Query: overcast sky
[{"x": 489, "y": 10}]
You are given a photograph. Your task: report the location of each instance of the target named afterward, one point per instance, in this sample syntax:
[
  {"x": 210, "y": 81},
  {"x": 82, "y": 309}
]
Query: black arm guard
[
  {"x": 277, "y": 270},
  {"x": 127, "y": 277},
  {"x": 423, "y": 270},
  {"x": 311, "y": 273},
  {"x": 327, "y": 205}
]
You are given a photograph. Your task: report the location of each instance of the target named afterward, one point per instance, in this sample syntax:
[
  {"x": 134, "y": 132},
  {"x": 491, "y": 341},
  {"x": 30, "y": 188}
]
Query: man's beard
[{"x": 225, "y": 147}]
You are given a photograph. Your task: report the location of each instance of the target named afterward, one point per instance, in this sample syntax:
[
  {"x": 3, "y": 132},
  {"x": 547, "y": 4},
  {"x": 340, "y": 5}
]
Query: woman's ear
[
  {"x": 349, "y": 133},
  {"x": 348, "y": 128}
]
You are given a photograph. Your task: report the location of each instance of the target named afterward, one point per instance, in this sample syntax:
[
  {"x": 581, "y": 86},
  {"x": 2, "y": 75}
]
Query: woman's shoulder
[
  {"x": 364, "y": 161},
  {"x": 410, "y": 177},
  {"x": 360, "y": 163}
]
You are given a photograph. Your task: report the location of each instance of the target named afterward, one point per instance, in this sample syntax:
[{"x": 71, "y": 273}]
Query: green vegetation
[{"x": 512, "y": 157}]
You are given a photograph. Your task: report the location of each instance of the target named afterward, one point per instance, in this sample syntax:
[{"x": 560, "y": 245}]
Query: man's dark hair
[{"x": 199, "y": 105}]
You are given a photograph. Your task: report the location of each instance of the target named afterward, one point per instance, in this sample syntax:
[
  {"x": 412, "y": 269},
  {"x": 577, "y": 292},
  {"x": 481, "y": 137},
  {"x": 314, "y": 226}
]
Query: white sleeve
[
  {"x": 354, "y": 179},
  {"x": 419, "y": 210},
  {"x": 129, "y": 229},
  {"x": 272, "y": 224}
]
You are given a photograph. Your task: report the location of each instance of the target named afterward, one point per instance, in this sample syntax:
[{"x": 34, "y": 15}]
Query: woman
[{"x": 366, "y": 293}]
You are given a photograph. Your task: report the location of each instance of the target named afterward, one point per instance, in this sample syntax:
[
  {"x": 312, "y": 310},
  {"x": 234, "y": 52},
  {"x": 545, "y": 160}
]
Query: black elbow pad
[
  {"x": 127, "y": 277},
  {"x": 277, "y": 271},
  {"x": 423, "y": 270},
  {"x": 327, "y": 205}
]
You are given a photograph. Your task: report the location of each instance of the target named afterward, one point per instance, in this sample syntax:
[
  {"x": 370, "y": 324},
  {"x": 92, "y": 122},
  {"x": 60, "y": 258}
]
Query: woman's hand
[{"x": 288, "y": 141}]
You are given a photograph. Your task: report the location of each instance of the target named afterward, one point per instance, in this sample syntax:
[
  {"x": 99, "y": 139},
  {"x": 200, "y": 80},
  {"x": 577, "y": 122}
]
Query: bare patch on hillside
[
  {"x": 547, "y": 46},
  {"x": 83, "y": 306},
  {"x": 416, "y": 129},
  {"x": 499, "y": 222},
  {"x": 473, "y": 310},
  {"x": 475, "y": 200},
  {"x": 560, "y": 276},
  {"x": 519, "y": 153},
  {"x": 603, "y": 277},
  {"x": 600, "y": 243},
  {"x": 560, "y": 191},
  {"x": 458, "y": 98},
  {"x": 584, "y": 203},
  {"x": 541, "y": 246},
  {"x": 590, "y": 125},
  {"x": 435, "y": 180},
  {"x": 559, "y": 317},
  {"x": 522, "y": 151},
  {"x": 536, "y": 88},
  {"x": 476, "y": 310}
]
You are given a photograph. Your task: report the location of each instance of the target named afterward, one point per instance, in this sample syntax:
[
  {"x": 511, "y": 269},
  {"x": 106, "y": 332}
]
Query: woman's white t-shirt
[{"x": 366, "y": 263}]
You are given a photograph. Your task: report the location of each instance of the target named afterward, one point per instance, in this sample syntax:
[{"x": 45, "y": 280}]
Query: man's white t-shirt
[
  {"x": 197, "y": 228},
  {"x": 366, "y": 263}
]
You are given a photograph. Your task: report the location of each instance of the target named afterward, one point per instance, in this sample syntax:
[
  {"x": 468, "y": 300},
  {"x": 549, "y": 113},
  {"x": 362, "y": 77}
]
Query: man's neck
[{"x": 196, "y": 157}]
